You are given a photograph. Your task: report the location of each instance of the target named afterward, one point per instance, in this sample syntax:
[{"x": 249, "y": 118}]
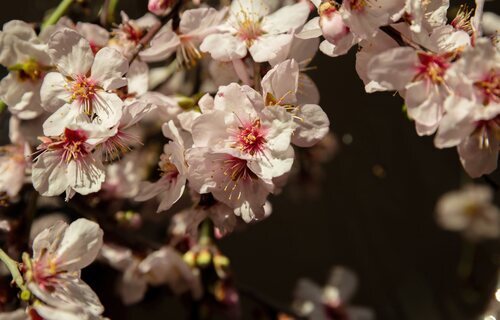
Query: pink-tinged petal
[
  {"x": 70, "y": 52},
  {"x": 95, "y": 34},
  {"x": 53, "y": 92},
  {"x": 49, "y": 174},
  {"x": 224, "y": 47},
  {"x": 479, "y": 159},
  {"x": 394, "y": 68},
  {"x": 166, "y": 266},
  {"x": 138, "y": 78},
  {"x": 133, "y": 113},
  {"x": 279, "y": 126},
  {"x": 22, "y": 97},
  {"x": 62, "y": 118},
  {"x": 108, "y": 69},
  {"x": 310, "y": 30},
  {"x": 425, "y": 102},
  {"x": 269, "y": 47},
  {"x": 162, "y": 46},
  {"x": 132, "y": 286},
  {"x": 287, "y": 18},
  {"x": 341, "y": 46},
  {"x": 150, "y": 190},
  {"x": 200, "y": 19},
  {"x": 48, "y": 239},
  {"x": 243, "y": 101},
  {"x": 312, "y": 125},
  {"x": 457, "y": 124},
  {"x": 86, "y": 175},
  {"x": 20, "y": 29},
  {"x": 173, "y": 195},
  {"x": 244, "y": 8},
  {"x": 119, "y": 258},
  {"x": 308, "y": 92},
  {"x": 79, "y": 247},
  {"x": 210, "y": 129},
  {"x": 171, "y": 132},
  {"x": 108, "y": 107},
  {"x": 282, "y": 82},
  {"x": 206, "y": 103}
]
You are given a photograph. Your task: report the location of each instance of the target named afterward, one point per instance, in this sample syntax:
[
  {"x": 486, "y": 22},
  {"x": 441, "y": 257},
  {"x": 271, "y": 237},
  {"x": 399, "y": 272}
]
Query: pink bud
[
  {"x": 331, "y": 23},
  {"x": 159, "y": 7}
]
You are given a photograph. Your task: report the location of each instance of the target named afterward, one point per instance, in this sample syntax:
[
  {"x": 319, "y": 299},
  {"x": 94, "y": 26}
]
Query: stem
[
  {"x": 58, "y": 13},
  {"x": 13, "y": 269},
  {"x": 155, "y": 28},
  {"x": 206, "y": 232},
  {"x": 3, "y": 106},
  {"x": 108, "y": 12},
  {"x": 466, "y": 260}
]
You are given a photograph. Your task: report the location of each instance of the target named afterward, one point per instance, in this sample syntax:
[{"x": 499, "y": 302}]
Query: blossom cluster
[
  {"x": 447, "y": 72},
  {"x": 225, "y": 89}
]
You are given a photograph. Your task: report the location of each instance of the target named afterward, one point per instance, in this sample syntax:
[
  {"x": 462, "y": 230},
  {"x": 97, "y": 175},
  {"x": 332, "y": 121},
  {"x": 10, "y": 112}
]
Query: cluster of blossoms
[
  {"x": 227, "y": 88},
  {"x": 447, "y": 72}
]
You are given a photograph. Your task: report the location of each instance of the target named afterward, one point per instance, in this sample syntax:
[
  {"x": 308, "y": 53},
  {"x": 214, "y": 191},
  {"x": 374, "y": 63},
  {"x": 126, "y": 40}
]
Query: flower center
[
  {"x": 74, "y": 144},
  {"x": 187, "y": 53},
  {"x": 249, "y": 29},
  {"x": 431, "y": 68},
  {"x": 250, "y": 138},
  {"x": 489, "y": 87},
  {"x": 462, "y": 19},
  {"x": 358, "y": 5},
  {"x": 83, "y": 89},
  {"x": 29, "y": 70},
  {"x": 167, "y": 168},
  {"x": 132, "y": 33}
]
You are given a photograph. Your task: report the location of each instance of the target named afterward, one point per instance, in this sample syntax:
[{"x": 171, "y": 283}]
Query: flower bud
[
  {"x": 331, "y": 22},
  {"x": 159, "y": 7}
]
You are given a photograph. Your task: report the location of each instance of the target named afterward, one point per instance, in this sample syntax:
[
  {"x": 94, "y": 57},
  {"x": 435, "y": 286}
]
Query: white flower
[
  {"x": 59, "y": 253},
  {"x": 194, "y": 26},
  {"x": 25, "y": 56},
  {"x": 240, "y": 146},
  {"x": 331, "y": 301},
  {"x": 473, "y": 113},
  {"x": 129, "y": 33},
  {"x": 251, "y": 28},
  {"x": 79, "y": 91},
  {"x": 280, "y": 87},
  {"x": 173, "y": 171},
  {"x": 470, "y": 211},
  {"x": 67, "y": 164}
]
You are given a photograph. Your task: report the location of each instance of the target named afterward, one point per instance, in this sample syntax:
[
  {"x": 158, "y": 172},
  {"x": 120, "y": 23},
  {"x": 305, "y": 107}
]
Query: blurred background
[{"x": 372, "y": 210}]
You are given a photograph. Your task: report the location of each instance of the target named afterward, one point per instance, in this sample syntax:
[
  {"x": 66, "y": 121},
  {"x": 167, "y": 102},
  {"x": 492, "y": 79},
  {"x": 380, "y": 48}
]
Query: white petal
[
  {"x": 85, "y": 175},
  {"x": 312, "y": 125},
  {"x": 70, "y": 52},
  {"x": 224, "y": 47},
  {"x": 49, "y": 174},
  {"x": 108, "y": 69},
  {"x": 287, "y": 18},
  {"x": 80, "y": 245},
  {"x": 53, "y": 92},
  {"x": 269, "y": 47}
]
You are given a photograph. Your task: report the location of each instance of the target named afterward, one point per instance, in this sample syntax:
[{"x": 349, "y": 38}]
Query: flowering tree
[{"x": 210, "y": 104}]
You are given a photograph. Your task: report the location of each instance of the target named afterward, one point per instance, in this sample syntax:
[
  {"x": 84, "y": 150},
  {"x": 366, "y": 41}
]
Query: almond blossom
[
  {"x": 239, "y": 147},
  {"x": 173, "y": 171},
  {"x": 472, "y": 120},
  {"x": 53, "y": 273},
  {"x": 66, "y": 163},
  {"x": 194, "y": 26},
  {"x": 13, "y": 164},
  {"x": 25, "y": 56},
  {"x": 79, "y": 92},
  {"x": 331, "y": 301},
  {"x": 471, "y": 211},
  {"x": 280, "y": 87},
  {"x": 252, "y": 28}
]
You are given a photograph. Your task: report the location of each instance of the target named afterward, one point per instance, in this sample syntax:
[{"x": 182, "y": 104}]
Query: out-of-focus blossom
[
  {"x": 331, "y": 301},
  {"x": 160, "y": 7},
  {"x": 129, "y": 33},
  {"x": 470, "y": 211},
  {"x": 25, "y": 56},
  {"x": 14, "y": 160}
]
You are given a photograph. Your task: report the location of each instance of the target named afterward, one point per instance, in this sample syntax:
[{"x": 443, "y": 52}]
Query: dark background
[{"x": 380, "y": 225}]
